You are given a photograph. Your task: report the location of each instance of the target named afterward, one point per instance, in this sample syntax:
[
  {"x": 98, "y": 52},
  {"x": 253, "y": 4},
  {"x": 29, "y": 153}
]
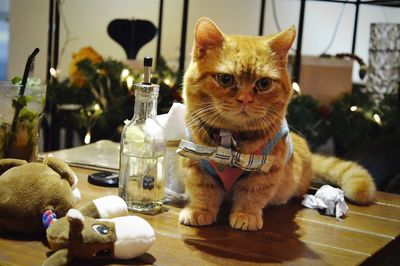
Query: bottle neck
[{"x": 145, "y": 105}]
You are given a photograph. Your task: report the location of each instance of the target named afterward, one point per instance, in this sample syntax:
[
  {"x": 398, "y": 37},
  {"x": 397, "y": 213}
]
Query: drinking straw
[{"x": 28, "y": 66}]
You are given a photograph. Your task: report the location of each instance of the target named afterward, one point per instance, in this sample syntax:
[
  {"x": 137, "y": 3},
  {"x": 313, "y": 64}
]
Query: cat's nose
[{"x": 245, "y": 98}]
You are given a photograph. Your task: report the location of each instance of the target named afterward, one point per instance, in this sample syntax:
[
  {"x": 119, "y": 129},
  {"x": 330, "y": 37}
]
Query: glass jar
[{"x": 141, "y": 176}]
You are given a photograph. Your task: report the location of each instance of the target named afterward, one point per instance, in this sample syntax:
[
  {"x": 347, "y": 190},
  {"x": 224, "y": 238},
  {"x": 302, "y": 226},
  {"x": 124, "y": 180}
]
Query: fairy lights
[
  {"x": 54, "y": 72},
  {"x": 377, "y": 119},
  {"x": 129, "y": 82},
  {"x": 296, "y": 88},
  {"x": 353, "y": 108},
  {"x": 87, "y": 138},
  {"x": 124, "y": 73},
  {"x": 168, "y": 82}
]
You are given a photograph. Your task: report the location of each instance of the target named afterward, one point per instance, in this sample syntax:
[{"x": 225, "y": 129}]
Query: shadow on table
[
  {"x": 145, "y": 259},
  {"x": 22, "y": 236},
  {"x": 277, "y": 242}
]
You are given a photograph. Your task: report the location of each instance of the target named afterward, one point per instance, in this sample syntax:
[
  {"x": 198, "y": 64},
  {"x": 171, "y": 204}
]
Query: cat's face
[{"x": 237, "y": 82}]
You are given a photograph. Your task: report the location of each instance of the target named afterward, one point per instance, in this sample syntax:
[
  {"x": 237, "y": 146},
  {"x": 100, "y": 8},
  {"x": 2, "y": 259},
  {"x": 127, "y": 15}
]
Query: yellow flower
[{"x": 76, "y": 77}]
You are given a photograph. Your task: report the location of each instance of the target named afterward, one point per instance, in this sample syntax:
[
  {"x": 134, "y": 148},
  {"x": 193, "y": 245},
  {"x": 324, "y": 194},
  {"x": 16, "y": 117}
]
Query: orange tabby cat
[{"x": 240, "y": 84}]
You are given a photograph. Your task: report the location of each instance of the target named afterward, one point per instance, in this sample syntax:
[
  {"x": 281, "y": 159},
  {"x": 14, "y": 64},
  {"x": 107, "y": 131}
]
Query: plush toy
[
  {"x": 82, "y": 235},
  {"x": 36, "y": 196},
  {"x": 28, "y": 190}
]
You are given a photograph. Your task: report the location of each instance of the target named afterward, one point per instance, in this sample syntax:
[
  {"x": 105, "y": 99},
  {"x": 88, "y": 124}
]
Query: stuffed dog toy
[
  {"x": 38, "y": 198},
  {"x": 82, "y": 235}
]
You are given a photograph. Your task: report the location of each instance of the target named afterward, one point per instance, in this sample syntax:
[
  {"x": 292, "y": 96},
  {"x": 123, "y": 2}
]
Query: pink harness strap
[{"x": 228, "y": 174}]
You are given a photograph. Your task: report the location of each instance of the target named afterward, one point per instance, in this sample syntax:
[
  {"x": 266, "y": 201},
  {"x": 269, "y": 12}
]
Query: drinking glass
[{"x": 20, "y": 119}]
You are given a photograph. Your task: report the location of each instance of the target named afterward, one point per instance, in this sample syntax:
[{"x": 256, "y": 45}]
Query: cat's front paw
[
  {"x": 196, "y": 217},
  {"x": 246, "y": 221}
]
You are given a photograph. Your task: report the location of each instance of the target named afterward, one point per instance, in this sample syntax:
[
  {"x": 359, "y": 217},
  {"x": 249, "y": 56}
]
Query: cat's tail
[{"x": 356, "y": 182}]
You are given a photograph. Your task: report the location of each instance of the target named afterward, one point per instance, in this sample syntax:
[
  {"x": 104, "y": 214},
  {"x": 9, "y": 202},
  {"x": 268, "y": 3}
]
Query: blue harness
[{"x": 283, "y": 132}]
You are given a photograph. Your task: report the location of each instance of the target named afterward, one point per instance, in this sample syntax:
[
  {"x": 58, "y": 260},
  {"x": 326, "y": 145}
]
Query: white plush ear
[
  {"x": 76, "y": 220},
  {"x": 134, "y": 237},
  {"x": 111, "y": 206},
  {"x": 74, "y": 214}
]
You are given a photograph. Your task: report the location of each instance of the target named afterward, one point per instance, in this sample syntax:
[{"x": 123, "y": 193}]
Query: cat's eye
[
  {"x": 225, "y": 80},
  {"x": 263, "y": 84}
]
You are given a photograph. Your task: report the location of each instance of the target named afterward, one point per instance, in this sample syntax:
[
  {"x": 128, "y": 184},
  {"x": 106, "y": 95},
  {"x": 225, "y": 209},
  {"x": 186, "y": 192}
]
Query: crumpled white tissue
[
  {"x": 329, "y": 198},
  {"x": 174, "y": 122}
]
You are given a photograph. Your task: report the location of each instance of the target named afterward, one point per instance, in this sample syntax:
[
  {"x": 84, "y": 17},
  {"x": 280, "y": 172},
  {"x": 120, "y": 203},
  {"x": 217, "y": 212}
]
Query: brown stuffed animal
[
  {"x": 27, "y": 190},
  {"x": 33, "y": 194},
  {"x": 79, "y": 235}
]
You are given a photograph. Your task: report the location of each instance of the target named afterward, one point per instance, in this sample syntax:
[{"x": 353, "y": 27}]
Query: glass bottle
[{"x": 141, "y": 176}]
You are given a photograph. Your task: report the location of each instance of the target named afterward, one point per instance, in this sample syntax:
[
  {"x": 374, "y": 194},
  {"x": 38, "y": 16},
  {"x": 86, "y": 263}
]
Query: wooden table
[{"x": 292, "y": 235}]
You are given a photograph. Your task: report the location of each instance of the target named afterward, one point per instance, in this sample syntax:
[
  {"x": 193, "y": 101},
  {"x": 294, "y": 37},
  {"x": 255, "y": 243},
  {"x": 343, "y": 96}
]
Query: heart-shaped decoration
[{"x": 131, "y": 34}]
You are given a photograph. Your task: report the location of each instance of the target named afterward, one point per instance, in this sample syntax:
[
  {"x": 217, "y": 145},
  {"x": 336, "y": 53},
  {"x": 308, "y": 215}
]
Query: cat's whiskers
[
  {"x": 265, "y": 125},
  {"x": 207, "y": 113},
  {"x": 203, "y": 113},
  {"x": 275, "y": 114},
  {"x": 272, "y": 119},
  {"x": 212, "y": 118}
]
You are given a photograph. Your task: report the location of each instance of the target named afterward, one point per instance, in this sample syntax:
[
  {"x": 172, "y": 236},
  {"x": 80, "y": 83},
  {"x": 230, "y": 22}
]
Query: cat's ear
[
  {"x": 282, "y": 41},
  {"x": 207, "y": 35}
]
